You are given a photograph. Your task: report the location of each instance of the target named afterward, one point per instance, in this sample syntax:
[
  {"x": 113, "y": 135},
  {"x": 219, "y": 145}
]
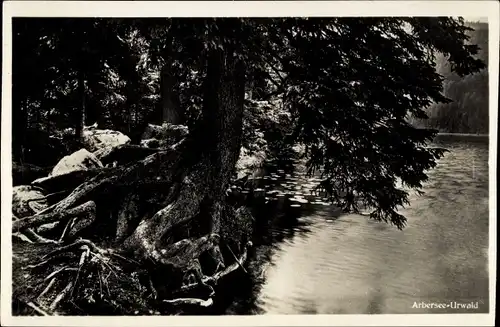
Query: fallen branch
[
  {"x": 84, "y": 255},
  {"x": 69, "y": 224},
  {"x": 41, "y": 263},
  {"x": 46, "y": 290},
  {"x": 37, "y": 309},
  {"x": 98, "y": 257},
  {"x": 61, "y": 295},
  {"x": 54, "y": 273},
  {"x": 236, "y": 259},
  {"x": 192, "y": 301}
]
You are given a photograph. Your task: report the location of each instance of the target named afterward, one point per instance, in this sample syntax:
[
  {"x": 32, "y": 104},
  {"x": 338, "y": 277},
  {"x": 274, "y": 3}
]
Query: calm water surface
[{"x": 317, "y": 260}]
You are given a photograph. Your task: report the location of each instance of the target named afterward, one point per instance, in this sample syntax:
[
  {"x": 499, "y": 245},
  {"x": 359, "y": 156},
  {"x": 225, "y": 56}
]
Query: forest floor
[{"x": 76, "y": 275}]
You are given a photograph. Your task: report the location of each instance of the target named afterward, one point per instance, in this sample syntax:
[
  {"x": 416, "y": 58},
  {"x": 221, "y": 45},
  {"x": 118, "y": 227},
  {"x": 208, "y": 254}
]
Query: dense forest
[
  {"x": 129, "y": 134},
  {"x": 468, "y": 111}
]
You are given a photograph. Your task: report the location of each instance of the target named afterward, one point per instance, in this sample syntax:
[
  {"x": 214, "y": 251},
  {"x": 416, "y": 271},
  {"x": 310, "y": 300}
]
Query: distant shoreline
[
  {"x": 462, "y": 137},
  {"x": 463, "y": 134}
]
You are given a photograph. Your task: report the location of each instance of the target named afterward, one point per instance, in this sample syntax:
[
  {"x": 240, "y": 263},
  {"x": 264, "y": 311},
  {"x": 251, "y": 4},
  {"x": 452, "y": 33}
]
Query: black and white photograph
[{"x": 303, "y": 165}]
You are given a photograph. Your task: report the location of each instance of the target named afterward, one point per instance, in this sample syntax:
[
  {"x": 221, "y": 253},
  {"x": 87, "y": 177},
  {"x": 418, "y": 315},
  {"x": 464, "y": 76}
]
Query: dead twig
[
  {"x": 46, "y": 290},
  {"x": 76, "y": 244},
  {"x": 37, "y": 238},
  {"x": 153, "y": 289},
  {"x": 236, "y": 259},
  {"x": 37, "y": 309},
  {"x": 100, "y": 282},
  {"x": 123, "y": 257},
  {"x": 193, "y": 301},
  {"x": 215, "y": 277},
  {"x": 53, "y": 274},
  {"x": 84, "y": 255},
  {"x": 105, "y": 263},
  {"x": 39, "y": 264},
  {"x": 69, "y": 224},
  {"x": 61, "y": 296}
]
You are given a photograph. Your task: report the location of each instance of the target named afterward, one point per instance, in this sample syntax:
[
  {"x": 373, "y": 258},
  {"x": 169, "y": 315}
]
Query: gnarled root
[
  {"x": 158, "y": 167},
  {"x": 145, "y": 241},
  {"x": 218, "y": 275},
  {"x": 78, "y": 268},
  {"x": 85, "y": 210}
]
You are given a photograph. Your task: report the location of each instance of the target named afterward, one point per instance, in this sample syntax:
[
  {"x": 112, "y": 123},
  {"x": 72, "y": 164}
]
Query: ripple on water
[{"x": 354, "y": 265}]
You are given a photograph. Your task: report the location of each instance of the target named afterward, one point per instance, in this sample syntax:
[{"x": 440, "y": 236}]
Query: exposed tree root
[
  {"x": 158, "y": 167},
  {"x": 83, "y": 271},
  {"x": 145, "y": 241},
  {"x": 124, "y": 153},
  {"x": 218, "y": 275},
  {"x": 34, "y": 237},
  {"x": 88, "y": 249},
  {"x": 58, "y": 271},
  {"x": 67, "y": 181},
  {"x": 71, "y": 246},
  {"x": 48, "y": 196},
  {"x": 86, "y": 210}
]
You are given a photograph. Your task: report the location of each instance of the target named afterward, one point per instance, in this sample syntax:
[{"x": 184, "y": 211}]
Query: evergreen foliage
[
  {"x": 349, "y": 86},
  {"x": 469, "y": 110}
]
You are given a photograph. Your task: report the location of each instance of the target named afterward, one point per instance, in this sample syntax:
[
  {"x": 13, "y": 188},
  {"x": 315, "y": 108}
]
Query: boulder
[
  {"x": 25, "y": 173},
  {"x": 27, "y": 200},
  {"x": 152, "y": 143},
  {"x": 248, "y": 162},
  {"x": 96, "y": 139},
  {"x": 164, "y": 132},
  {"x": 163, "y": 136},
  {"x": 79, "y": 160}
]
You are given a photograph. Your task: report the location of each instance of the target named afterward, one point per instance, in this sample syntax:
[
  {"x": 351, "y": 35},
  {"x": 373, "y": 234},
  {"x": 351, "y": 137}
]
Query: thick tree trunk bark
[
  {"x": 223, "y": 114},
  {"x": 171, "y": 111},
  {"x": 189, "y": 181},
  {"x": 159, "y": 195},
  {"x": 214, "y": 152},
  {"x": 80, "y": 118},
  {"x": 19, "y": 125}
]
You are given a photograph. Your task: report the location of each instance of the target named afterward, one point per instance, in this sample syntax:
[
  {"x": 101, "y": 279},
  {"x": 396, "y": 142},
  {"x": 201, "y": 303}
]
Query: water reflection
[{"x": 312, "y": 259}]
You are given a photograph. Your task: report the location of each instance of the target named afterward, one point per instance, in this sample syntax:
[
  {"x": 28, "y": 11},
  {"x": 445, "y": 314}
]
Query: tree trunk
[
  {"x": 19, "y": 126},
  {"x": 171, "y": 111},
  {"x": 80, "y": 117},
  {"x": 184, "y": 184},
  {"x": 213, "y": 154},
  {"x": 223, "y": 117}
]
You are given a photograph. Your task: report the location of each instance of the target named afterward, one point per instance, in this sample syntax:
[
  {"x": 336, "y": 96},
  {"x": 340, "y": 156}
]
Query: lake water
[{"x": 311, "y": 259}]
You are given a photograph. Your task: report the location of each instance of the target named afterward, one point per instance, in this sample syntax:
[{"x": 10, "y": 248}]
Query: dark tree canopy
[
  {"x": 339, "y": 92},
  {"x": 349, "y": 85}
]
